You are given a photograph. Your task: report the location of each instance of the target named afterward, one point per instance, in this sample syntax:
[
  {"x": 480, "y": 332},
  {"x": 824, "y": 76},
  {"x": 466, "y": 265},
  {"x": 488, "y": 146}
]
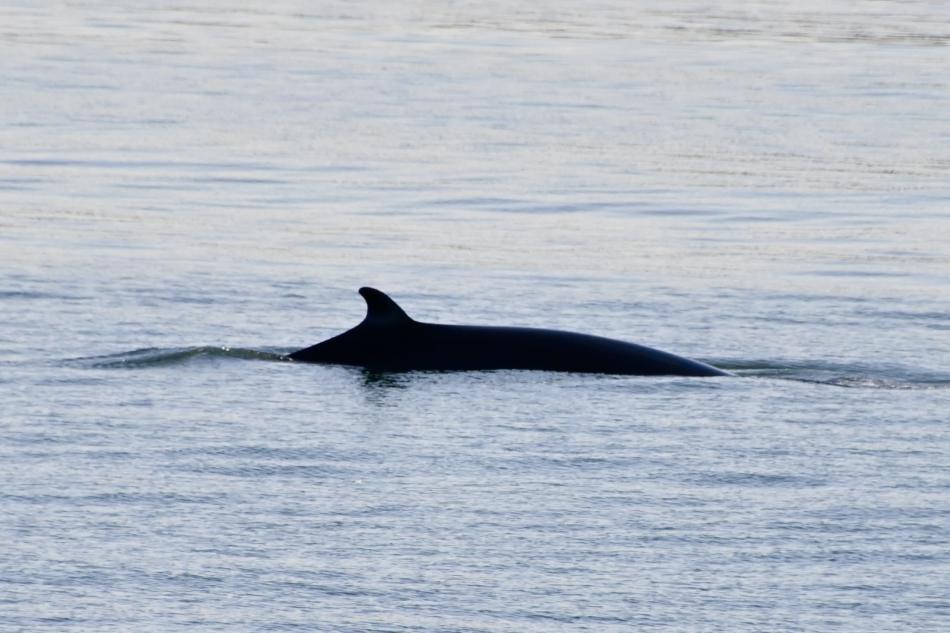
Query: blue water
[{"x": 187, "y": 193}]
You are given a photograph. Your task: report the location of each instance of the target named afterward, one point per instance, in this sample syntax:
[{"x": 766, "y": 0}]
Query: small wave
[
  {"x": 821, "y": 373},
  {"x": 163, "y": 357},
  {"x": 870, "y": 382},
  {"x": 857, "y": 376}
]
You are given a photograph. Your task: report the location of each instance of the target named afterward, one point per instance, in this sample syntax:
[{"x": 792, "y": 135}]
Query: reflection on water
[{"x": 374, "y": 380}]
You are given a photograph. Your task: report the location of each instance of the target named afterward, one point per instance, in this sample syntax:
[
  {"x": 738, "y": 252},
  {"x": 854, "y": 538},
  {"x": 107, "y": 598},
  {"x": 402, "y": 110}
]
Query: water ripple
[{"x": 159, "y": 357}]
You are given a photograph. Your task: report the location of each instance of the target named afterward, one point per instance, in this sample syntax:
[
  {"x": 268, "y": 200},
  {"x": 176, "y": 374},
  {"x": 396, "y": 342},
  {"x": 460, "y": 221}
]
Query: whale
[{"x": 389, "y": 340}]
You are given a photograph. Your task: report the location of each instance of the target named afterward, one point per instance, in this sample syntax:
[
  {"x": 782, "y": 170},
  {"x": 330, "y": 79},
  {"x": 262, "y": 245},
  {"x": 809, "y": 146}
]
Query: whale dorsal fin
[{"x": 381, "y": 310}]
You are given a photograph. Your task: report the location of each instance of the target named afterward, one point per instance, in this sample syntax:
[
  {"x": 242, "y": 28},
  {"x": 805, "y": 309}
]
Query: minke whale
[{"x": 389, "y": 340}]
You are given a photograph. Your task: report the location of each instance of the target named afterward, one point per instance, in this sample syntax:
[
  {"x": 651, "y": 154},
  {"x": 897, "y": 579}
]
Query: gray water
[{"x": 186, "y": 193}]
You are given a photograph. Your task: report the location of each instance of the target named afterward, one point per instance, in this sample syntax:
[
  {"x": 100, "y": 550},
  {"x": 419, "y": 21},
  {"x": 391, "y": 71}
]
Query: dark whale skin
[{"x": 389, "y": 340}]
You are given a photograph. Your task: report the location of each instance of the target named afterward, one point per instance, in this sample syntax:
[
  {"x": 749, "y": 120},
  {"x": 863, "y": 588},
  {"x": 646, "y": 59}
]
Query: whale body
[{"x": 389, "y": 340}]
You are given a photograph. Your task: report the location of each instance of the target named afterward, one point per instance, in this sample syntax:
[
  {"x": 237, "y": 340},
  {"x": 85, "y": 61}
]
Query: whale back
[{"x": 389, "y": 340}]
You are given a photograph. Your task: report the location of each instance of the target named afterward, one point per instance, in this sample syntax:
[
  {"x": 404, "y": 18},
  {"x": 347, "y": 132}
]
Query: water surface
[{"x": 189, "y": 192}]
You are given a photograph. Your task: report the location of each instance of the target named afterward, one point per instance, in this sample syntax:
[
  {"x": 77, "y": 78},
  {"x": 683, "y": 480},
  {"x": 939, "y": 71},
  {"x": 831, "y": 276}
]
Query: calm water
[{"x": 187, "y": 193}]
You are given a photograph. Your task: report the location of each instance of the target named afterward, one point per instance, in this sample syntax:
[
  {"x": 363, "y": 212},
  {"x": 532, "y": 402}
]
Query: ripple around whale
[
  {"x": 162, "y": 357},
  {"x": 854, "y": 376}
]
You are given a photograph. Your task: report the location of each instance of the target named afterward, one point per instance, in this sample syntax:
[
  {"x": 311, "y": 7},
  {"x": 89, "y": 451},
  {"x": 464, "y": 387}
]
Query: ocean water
[{"x": 187, "y": 192}]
